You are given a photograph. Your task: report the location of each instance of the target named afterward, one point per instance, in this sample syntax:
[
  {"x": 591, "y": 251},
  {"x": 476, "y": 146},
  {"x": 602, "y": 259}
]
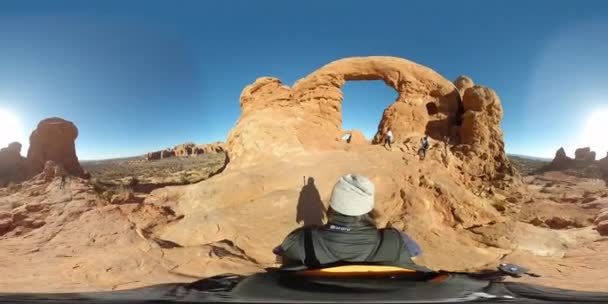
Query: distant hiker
[
  {"x": 424, "y": 145},
  {"x": 60, "y": 171},
  {"x": 350, "y": 234},
  {"x": 388, "y": 139},
  {"x": 446, "y": 155}
]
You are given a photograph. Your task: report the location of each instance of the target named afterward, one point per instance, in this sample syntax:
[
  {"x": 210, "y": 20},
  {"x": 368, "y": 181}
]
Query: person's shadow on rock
[{"x": 311, "y": 210}]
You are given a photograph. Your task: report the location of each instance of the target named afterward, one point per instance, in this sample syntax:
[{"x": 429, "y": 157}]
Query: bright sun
[
  {"x": 10, "y": 128},
  {"x": 595, "y": 134}
]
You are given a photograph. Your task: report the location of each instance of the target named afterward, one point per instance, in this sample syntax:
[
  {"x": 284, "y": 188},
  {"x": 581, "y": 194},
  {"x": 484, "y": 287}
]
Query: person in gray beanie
[{"x": 350, "y": 235}]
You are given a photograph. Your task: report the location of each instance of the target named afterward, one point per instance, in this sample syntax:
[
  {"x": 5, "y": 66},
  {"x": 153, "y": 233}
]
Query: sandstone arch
[
  {"x": 278, "y": 120},
  {"x": 310, "y": 111}
]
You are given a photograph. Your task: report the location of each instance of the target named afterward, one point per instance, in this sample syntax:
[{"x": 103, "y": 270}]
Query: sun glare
[
  {"x": 595, "y": 134},
  {"x": 10, "y": 128}
]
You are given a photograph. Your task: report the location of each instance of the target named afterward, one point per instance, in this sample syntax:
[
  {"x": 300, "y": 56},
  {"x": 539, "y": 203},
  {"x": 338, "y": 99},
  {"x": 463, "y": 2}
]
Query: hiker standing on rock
[
  {"x": 350, "y": 235},
  {"x": 424, "y": 145},
  {"x": 60, "y": 171},
  {"x": 388, "y": 139}
]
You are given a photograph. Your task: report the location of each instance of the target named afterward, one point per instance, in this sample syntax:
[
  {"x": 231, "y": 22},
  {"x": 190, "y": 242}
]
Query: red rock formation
[
  {"x": 13, "y": 166},
  {"x": 167, "y": 153},
  {"x": 217, "y": 147},
  {"x": 53, "y": 140},
  {"x": 480, "y": 133},
  {"x": 584, "y": 154},
  {"x": 187, "y": 149},
  {"x": 153, "y": 155},
  {"x": 310, "y": 113},
  {"x": 561, "y": 161}
]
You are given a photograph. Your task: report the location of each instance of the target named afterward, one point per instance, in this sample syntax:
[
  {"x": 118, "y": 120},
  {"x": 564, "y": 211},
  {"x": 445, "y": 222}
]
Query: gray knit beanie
[{"x": 353, "y": 195}]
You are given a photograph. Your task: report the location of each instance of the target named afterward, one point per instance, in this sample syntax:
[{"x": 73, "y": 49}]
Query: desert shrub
[{"x": 133, "y": 182}]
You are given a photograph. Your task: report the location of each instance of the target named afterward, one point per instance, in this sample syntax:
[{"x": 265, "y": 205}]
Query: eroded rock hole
[{"x": 431, "y": 108}]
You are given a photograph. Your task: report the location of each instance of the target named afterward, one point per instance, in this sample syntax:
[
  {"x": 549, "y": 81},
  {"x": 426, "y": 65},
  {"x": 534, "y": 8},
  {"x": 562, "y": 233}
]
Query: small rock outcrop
[
  {"x": 54, "y": 139},
  {"x": 13, "y": 167},
  {"x": 601, "y": 222},
  {"x": 584, "y": 163},
  {"x": 561, "y": 160},
  {"x": 584, "y": 154}
]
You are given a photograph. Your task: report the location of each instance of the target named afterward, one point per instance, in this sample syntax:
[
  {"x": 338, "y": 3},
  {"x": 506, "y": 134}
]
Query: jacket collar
[{"x": 339, "y": 222}]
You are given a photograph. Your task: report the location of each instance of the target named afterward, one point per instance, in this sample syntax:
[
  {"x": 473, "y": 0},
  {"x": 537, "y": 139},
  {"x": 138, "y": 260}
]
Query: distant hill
[
  {"x": 530, "y": 157},
  {"x": 110, "y": 160},
  {"x": 527, "y": 165}
]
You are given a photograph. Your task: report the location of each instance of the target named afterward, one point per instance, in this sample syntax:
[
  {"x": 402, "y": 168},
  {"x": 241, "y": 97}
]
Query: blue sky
[{"x": 137, "y": 76}]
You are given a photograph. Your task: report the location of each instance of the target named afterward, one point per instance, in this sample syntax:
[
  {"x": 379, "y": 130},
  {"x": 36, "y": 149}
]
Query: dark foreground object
[{"x": 281, "y": 287}]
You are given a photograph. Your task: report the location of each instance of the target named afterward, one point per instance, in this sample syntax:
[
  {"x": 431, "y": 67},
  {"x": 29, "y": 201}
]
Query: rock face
[
  {"x": 53, "y": 140},
  {"x": 153, "y": 155},
  {"x": 601, "y": 222},
  {"x": 13, "y": 167},
  {"x": 187, "y": 149},
  {"x": 311, "y": 119},
  {"x": 584, "y": 154},
  {"x": 480, "y": 133},
  {"x": 561, "y": 160}
]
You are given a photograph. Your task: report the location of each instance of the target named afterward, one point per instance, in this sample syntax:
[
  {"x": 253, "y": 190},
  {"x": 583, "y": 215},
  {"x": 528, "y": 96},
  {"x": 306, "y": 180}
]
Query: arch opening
[{"x": 363, "y": 104}]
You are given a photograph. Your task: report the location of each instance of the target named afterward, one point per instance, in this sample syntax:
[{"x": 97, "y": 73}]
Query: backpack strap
[
  {"x": 389, "y": 248},
  {"x": 310, "y": 257}
]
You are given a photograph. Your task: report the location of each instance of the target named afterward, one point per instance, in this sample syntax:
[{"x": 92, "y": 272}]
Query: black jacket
[{"x": 345, "y": 240}]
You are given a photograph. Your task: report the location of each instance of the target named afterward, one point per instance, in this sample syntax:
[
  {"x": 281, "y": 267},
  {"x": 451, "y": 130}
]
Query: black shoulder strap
[{"x": 310, "y": 259}]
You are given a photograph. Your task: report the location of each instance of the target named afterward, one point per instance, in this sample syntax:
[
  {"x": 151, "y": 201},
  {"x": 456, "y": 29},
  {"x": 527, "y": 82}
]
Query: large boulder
[
  {"x": 54, "y": 139},
  {"x": 480, "y": 135},
  {"x": 584, "y": 154},
  {"x": 561, "y": 161},
  {"x": 13, "y": 167}
]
